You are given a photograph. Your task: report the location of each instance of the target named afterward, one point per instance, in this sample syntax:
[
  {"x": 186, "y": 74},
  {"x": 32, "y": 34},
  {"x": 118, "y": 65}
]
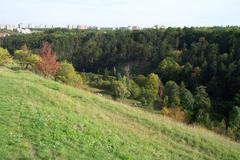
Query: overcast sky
[{"x": 143, "y": 13}]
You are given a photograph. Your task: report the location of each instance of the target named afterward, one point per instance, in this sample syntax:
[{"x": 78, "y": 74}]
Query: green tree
[
  {"x": 5, "y": 57},
  {"x": 153, "y": 83},
  {"x": 168, "y": 69},
  {"x": 186, "y": 98},
  {"x": 202, "y": 105},
  {"x": 172, "y": 91},
  {"x": 150, "y": 89}
]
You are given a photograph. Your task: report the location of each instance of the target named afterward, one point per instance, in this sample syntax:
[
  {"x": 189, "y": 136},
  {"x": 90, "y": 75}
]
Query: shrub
[
  {"x": 66, "y": 73},
  {"x": 119, "y": 90},
  {"x": 79, "y": 81},
  {"x": 147, "y": 96},
  {"x": 234, "y": 118},
  {"x": 141, "y": 80},
  {"x": 132, "y": 87},
  {"x": 5, "y": 57},
  {"x": 25, "y": 58},
  {"x": 175, "y": 113},
  {"x": 105, "y": 85},
  {"x": 234, "y": 122}
]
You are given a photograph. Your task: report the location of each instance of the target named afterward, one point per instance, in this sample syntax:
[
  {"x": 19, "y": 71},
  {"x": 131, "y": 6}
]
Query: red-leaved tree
[{"x": 48, "y": 65}]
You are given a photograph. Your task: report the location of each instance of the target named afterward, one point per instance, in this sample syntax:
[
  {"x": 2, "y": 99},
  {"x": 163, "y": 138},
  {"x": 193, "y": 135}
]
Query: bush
[
  {"x": 25, "y": 58},
  {"x": 175, "y": 113},
  {"x": 141, "y": 80},
  {"x": 105, "y": 85},
  {"x": 5, "y": 57},
  {"x": 79, "y": 81},
  {"x": 119, "y": 90},
  {"x": 147, "y": 96},
  {"x": 66, "y": 74},
  {"x": 234, "y": 122},
  {"x": 132, "y": 87},
  {"x": 234, "y": 118}
]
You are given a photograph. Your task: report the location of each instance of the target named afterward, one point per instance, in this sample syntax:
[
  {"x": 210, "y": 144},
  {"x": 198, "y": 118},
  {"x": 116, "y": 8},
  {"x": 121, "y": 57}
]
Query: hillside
[{"x": 42, "y": 119}]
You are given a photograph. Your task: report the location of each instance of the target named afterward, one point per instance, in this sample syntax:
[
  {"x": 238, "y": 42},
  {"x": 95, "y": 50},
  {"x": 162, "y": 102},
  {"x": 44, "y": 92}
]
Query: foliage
[
  {"x": 141, "y": 80},
  {"x": 119, "y": 90},
  {"x": 186, "y": 99},
  {"x": 66, "y": 73},
  {"x": 235, "y": 117},
  {"x": 5, "y": 57},
  {"x": 202, "y": 105},
  {"x": 234, "y": 122},
  {"x": 207, "y": 56},
  {"x": 149, "y": 88},
  {"x": 132, "y": 87},
  {"x": 171, "y": 90},
  {"x": 175, "y": 113},
  {"x": 169, "y": 69},
  {"x": 48, "y": 65},
  {"x": 25, "y": 58}
]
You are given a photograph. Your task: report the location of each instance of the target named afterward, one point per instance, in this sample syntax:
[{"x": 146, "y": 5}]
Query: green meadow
[{"x": 43, "y": 119}]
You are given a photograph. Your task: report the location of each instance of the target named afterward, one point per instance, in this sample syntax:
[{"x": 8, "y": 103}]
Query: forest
[{"x": 190, "y": 74}]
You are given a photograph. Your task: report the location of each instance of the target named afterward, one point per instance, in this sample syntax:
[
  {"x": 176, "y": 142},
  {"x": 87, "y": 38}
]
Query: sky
[{"x": 117, "y": 13}]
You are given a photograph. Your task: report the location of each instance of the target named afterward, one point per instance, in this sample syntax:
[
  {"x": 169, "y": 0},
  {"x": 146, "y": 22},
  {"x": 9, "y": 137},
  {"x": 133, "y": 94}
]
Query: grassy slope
[{"x": 42, "y": 119}]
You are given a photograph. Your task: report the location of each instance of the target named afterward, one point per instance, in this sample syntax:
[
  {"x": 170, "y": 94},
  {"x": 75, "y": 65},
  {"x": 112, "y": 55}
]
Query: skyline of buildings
[{"x": 22, "y": 26}]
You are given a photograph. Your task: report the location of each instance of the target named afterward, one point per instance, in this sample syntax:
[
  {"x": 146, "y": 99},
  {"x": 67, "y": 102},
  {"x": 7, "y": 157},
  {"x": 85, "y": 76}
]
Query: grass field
[{"x": 43, "y": 119}]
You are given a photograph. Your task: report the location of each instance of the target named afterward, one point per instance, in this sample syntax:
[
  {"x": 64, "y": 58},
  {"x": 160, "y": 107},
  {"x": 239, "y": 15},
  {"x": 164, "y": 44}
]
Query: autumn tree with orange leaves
[{"x": 48, "y": 65}]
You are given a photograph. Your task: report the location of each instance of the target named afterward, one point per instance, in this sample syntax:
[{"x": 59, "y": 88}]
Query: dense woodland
[{"x": 189, "y": 72}]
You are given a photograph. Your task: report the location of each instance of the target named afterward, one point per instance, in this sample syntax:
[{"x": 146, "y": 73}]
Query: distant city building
[
  {"x": 74, "y": 27},
  {"x": 9, "y": 27},
  {"x": 156, "y": 26},
  {"x": 2, "y": 26},
  {"x": 93, "y": 27},
  {"x": 24, "y": 31},
  {"x": 69, "y": 27},
  {"x": 20, "y": 25},
  {"x": 4, "y": 35},
  {"x": 134, "y": 28},
  {"x": 107, "y": 28},
  {"x": 29, "y": 26},
  {"x": 123, "y": 28}
]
